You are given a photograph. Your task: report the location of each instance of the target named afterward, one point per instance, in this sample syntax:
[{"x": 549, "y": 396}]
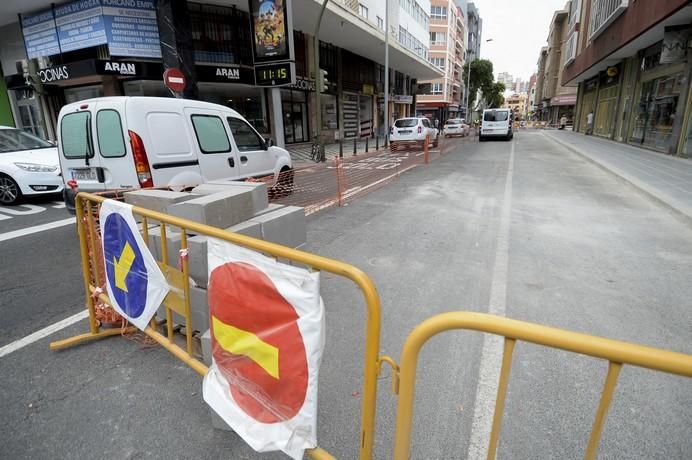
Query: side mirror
[{"x": 268, "y": 143}]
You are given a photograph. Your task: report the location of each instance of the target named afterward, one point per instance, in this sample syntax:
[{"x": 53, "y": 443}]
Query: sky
[{"x": 519, "y": 28}]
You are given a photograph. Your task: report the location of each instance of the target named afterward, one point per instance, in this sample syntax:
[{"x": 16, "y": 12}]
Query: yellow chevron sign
[
  {"x": 240, "y": 342},
  {"x": 122, "y": 266}
]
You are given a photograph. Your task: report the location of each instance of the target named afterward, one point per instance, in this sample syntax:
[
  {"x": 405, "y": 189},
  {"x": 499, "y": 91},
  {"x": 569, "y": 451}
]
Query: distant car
[
  {"x": 412, "y": 131},
  {"x": 496, "y": 123},
  {"x": 456, "y": 127},
  {"x": 29, "y": 166}
]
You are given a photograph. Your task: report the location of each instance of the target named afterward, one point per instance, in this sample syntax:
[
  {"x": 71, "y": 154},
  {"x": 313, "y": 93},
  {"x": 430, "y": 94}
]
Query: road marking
[
  {"x": 491, "y": 355},
  {"x": 33, "y": 209},
  {"x": 45, "y": 332},
  {"x": 58, "y": 205},
  {"x": 36, "y": 229}
]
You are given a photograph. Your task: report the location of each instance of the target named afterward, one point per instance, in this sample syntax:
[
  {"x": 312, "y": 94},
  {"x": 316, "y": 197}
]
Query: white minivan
[
  {"x": 115, "y": 143},
  {"x": 496, "y": 123}
]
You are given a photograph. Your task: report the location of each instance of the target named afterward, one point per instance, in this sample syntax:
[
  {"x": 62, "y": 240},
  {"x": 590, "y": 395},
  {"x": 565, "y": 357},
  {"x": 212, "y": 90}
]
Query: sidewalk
[
  {"x": 665, "y": 178},
  {"x": 301, "y": 152}
]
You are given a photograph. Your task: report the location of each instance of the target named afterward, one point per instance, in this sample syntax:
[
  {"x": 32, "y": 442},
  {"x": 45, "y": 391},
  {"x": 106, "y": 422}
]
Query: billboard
[
  {"x": 40, "y": 34},
  {"x": 80, "y": 25},
  {"x": 131, "y": 28},
  {"x": 271, "y": 37}
]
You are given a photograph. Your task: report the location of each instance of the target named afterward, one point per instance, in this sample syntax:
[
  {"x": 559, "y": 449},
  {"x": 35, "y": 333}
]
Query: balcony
[
  {"x": 571, "y": 48},
  {"x": 603, "y": 14}
]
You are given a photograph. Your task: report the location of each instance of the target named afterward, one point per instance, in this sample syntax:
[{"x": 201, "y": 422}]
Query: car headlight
[{"x": 33, "y": 167}]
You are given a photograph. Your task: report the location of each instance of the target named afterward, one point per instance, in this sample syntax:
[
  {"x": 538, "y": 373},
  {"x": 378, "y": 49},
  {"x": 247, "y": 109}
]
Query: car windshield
[
  {"x": 13, "y": 140},
  {"x": 495, "y": 115},
  {"x": 406, "y": 123}
]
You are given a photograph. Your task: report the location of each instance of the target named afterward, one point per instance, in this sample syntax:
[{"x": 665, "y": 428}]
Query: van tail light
[
  {"x": 141, "y": 161},
  {"x": 420, "y": 129}
]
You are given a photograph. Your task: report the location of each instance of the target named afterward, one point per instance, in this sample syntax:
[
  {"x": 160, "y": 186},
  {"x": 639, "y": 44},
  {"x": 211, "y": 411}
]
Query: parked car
[
  {"x": 496, "y": 123},
  {"x": 28, "y": 166},
  {"x": 114, "y": 143},
  {"x": 456, "y": 127},
  {"x": 412, "y": 131}
]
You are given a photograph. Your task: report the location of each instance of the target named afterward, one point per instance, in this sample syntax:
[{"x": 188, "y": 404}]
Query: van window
[
  {"x": 406, "y": 123},
  {"x": 246, "y": 139},
  {"x": 426, "y": 122},
  {"x": 75, "y": 133},
  {"x": 211, "y": 135},
  {"x": 110, "y": 134},
  {"x": 495, "y": 115}
]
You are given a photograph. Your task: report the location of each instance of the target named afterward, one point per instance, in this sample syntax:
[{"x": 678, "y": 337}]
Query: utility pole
[
  {"x": 386, "y": 73},
  {"x": 318, "y": 86}
]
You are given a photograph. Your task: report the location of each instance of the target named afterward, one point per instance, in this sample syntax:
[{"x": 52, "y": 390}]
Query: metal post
[
  {"x": 366, "y": 144},
  {"x": 386, "y": 73},
  {"x": 341, "y": 148},
  {"x": 318, "y": 85},
  {"x": 377, "y": 142},
  {"x": 355, "y": 139},
  {"x": 468, "y": 90}
]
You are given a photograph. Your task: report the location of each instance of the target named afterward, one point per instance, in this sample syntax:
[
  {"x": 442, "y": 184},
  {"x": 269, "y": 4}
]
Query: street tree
[
  {"x": 481, "y": 78},
  {"x": 494, "y": 96}
]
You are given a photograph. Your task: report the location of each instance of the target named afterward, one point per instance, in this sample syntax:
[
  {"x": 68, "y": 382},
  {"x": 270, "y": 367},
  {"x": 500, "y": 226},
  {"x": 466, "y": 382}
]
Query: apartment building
[
  {"x": 632, "y": 62},
  {"x": 447, "y": 51}
]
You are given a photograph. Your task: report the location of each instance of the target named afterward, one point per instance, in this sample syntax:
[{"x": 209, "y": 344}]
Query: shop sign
[
  {"x": 117, "y": 68},
  {"x": 131, "y": 28},
  {"x": 564, "y": 100},
  {"x": 80, "y": 25},
  {"x": 402, "y": 99},
  {"x": 54, "y": 74},
  {"x": 304, "y": 84},
  {"x": 225, "y": 74},
  {"x": 368, "y": 89},
  {"x": 675, "y": 43},
  {"x": 40, "y": 34}
]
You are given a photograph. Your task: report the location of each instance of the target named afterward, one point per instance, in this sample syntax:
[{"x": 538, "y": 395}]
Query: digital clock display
[{"x": 278, "y": 74}]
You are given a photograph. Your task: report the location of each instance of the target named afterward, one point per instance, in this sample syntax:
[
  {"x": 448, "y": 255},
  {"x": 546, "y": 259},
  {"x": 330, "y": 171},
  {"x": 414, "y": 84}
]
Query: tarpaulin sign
[
  {"x": 136, "y": 287},
  {"x": 267, "y": 329}
]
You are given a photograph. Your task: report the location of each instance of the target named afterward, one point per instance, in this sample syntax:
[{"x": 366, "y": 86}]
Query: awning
[{"x": 570, "y": 99}]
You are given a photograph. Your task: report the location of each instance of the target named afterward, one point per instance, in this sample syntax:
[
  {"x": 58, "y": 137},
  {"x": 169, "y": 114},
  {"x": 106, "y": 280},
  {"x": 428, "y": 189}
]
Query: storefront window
[
  {"x": 330, "y": 115},
  {"x": 84, "y": 92},
  {"x": 295, "y": 111},
  {"x": 655, "y": 112}
]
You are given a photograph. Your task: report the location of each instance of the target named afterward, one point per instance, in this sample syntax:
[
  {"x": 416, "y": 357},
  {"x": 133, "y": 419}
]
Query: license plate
[
  {"x": 84, "y": 174},
  {"x": 405, "y": 132}
]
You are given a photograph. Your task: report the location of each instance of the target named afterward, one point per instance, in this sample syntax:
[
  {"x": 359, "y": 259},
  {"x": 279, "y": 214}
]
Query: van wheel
[
  {"x": 10, "y": 193},
  {"x": 284, "y": 184}
]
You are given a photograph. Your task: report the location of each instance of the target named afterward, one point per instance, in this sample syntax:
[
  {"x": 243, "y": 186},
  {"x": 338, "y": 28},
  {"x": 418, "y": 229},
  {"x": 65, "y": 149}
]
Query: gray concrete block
[
  {"x": 270, "y": 208},
  {"x": 260, "y": 196},
  {"x": 221, "y": 210},
  {"x": 197, "y": 250},
  {"x": 173, "y": 244},
  {"x": 284, "y": 226},
  {"x": 205, "y": 340},
  {"x": 199, "y": 311},
  {"x": 156, "y": 200}
]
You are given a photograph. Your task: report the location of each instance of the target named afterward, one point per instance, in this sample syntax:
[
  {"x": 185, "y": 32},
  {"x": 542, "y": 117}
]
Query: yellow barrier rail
[
  {"x": 87, "y": 207},
  {"x": 616, "y": 352}
]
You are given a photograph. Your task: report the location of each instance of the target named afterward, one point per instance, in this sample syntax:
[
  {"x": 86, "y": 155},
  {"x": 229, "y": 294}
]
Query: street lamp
[{"x": 468, "y": 84}]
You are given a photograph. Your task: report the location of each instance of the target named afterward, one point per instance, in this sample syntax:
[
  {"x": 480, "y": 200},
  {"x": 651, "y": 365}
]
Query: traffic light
[{"x": 322, "y": 81}]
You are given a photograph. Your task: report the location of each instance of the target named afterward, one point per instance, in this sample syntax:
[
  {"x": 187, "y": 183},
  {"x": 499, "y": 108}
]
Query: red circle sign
[
  {"x": 256, "y": 343},
  {"x": 175, "y": 80}
]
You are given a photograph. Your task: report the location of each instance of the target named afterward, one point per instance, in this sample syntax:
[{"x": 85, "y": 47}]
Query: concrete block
[
  {"x": 197, "y": 250},
  {"x": 156, "y": 200},
  {"x": 284, "y": 226},
  {"x": 173, "y": 244},
  {"x": 271, "y": 207},
  {"x": 260, "y": 196},
  {"x": 205, "y": 339},
  {"x": 199, "y": 310},
  {"x": 221, "y": 210}
]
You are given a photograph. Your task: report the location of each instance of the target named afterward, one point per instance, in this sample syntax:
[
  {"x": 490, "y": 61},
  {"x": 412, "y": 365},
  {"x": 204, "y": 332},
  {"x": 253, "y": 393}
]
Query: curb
[{"x": 663, "y": 199}]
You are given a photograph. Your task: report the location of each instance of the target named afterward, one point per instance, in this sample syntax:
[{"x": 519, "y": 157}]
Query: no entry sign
[{"x": 175, "y": 80}]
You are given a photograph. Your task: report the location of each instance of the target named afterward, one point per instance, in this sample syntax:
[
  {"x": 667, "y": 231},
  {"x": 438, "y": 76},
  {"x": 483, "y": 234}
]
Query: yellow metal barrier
[
  {"x": 616, "y": 352},
  {"x": 87, "y": 206}
]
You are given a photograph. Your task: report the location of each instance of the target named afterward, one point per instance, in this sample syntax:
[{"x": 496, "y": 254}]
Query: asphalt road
[{"x": 585, "y": 251}]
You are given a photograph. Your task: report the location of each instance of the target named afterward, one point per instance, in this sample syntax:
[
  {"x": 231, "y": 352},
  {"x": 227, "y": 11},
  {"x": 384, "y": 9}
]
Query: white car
[
  {"x": 456, "y": 127},
  {"x": 29, "y": 166},
  {"x": 412, "y": 131}
]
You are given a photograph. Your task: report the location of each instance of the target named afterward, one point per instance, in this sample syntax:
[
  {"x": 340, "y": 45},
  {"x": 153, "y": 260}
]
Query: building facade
[
  {"x": 474, "y": 27},
  {"x": 632, "y": 62},
  {"x": 517, "y": 102},
  {"x": 447, "y": 50},
  {"x": 556, "y": 100},
  {"x": 212, "y": 44}
]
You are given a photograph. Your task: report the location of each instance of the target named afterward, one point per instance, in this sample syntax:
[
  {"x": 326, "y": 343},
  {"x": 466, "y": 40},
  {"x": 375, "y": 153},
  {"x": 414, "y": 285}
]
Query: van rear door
[
  {"x": 113, "y": 146},
  {"x": 217, "y": 158},
  {"x": 495, "y": 122},
  {"x": 78, "y": 159}
]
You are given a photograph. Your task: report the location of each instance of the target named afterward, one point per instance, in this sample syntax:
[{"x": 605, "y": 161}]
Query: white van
[
  {"x": 115, "y": 143},
  {"x": 496, "y": 123}
]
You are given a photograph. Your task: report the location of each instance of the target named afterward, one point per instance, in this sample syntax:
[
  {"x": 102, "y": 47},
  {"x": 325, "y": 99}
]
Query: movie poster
[{"x": 269, "y": 30}]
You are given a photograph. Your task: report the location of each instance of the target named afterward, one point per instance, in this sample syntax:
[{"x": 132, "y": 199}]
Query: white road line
[
  {"x": 36, "y": 229},
  {"x": 58, "y": 205},
  {"x": 45, "y": 332},
  {"x": 32, "y": 209},
  {"x": 491, "y": 355}
]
